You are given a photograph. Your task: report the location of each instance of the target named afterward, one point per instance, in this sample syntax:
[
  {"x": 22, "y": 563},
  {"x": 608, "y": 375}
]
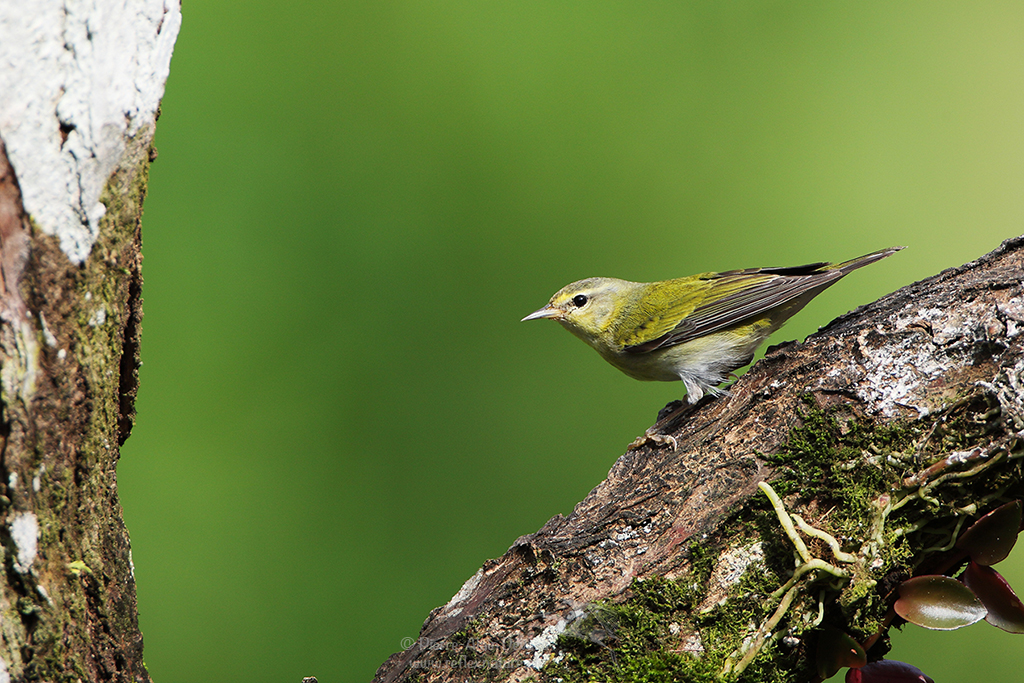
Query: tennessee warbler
[{"x": 696, "y": 329}]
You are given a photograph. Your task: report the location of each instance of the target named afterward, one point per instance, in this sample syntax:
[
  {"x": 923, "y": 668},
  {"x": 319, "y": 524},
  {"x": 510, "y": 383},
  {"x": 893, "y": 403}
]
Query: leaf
[
  {"x": 1005, "y": 609},
  {"x": 837, "y": 650},
  {"x": 939, "y": 603},
  {"x": 887, "y": 671},
  {"x": 990, "y": 539}
]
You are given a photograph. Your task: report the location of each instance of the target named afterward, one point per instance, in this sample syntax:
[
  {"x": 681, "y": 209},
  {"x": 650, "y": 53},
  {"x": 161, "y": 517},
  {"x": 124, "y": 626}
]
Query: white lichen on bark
[
  {"x": 25, "y": 534},
  {"x": 77, "y": 78}
]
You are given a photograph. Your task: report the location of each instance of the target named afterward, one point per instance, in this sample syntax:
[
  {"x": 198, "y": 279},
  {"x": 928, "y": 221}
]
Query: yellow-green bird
[{"x": 696, "y": 329}]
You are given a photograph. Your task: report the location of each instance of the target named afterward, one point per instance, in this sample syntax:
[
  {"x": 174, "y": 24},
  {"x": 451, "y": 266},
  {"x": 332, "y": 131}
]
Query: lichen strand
[
  {"x": 74, "y": 615},
  {"x": 848, "y": 476}
]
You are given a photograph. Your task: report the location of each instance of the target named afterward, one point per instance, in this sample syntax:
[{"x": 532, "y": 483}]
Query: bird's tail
[{"x": 861, "y": 261}]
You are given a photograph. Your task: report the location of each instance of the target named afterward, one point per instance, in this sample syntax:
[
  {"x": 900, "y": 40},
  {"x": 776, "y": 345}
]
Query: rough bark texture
[
  {"x": 69, "y": 359},
  {"x": 884, "y": 430}
]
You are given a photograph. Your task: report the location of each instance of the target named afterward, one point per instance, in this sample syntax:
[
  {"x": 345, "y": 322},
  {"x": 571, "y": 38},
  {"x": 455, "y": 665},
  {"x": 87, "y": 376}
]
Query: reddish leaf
[
  {"x": 938, "y": 602},
  {"x": 990, "y": 539},
  {"x": 837, "y": 650},
  {"x": 1005, "y": 609},
  {"x": 887, "y": 671}
]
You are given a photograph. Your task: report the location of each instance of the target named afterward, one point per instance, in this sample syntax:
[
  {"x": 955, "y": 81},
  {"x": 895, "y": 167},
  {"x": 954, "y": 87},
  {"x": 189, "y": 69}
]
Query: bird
[{"x": 695, "y": 329}]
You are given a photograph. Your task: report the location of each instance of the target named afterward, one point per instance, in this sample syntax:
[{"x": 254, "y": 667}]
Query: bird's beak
[{"x": 546, "y": 312}]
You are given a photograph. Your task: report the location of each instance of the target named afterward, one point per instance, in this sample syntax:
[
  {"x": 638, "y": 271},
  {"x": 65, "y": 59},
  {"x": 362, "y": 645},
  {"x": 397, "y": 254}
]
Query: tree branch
[
  {"x": 881, "y": 434},
  {"x": 79, "y": 94}
]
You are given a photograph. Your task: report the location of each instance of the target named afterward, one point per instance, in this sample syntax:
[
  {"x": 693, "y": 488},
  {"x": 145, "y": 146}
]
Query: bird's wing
[
  {"x": 658, "y": 310},
  {"x": 730, "y": 298}
]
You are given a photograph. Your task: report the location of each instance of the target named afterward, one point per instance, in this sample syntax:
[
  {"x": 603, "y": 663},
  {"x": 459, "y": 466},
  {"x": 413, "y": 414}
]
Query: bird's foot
[
  {"x": 668, "y": 415},
  {"x": 655, "y": 439},
  {"x": 653, "y": 435}
]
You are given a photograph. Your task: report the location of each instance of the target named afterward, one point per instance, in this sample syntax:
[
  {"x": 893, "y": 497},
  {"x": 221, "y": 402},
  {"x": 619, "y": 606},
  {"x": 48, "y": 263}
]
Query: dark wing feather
[{"x": 756, "y": 291}]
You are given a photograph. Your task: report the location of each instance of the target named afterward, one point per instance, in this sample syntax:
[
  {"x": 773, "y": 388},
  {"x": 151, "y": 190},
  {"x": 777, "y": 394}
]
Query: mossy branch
[
  {"x": 69, "y": 337},
  {"x": 877, "y": 439}
]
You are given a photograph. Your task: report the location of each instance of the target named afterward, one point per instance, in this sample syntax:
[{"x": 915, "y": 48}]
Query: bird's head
[{"x": 589, "y": 308}]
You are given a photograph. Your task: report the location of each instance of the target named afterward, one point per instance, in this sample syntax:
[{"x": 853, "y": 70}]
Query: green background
[{"x": 341, "y": 417}]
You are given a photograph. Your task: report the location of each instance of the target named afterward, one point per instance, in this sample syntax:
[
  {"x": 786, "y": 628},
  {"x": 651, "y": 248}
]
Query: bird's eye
[{"x": 580, "y": 300}]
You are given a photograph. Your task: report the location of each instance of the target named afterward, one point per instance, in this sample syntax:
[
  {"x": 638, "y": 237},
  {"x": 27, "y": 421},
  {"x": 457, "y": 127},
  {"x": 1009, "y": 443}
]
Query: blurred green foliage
[{"x": 340, "y": 415}]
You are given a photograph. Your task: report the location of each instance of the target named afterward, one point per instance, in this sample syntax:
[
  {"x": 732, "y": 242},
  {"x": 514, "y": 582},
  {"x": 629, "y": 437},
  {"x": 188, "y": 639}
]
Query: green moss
[
  {"x": 702, "y": 563},
  {"x": 630, "y": 641},
  {"x": 656, "y": 635},
  {"x": 851, "y": 471},
  {"x": 834, "y": 455}
]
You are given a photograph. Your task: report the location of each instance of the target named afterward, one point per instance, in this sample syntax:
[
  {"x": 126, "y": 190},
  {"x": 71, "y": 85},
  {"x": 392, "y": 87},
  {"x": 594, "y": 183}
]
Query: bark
[
  {"x": 78, "y": 104},
  {"x": 884, "y": 430}
]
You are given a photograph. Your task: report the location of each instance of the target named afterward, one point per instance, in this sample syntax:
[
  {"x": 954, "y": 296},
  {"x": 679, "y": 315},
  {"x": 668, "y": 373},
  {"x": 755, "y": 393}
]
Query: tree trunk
[
  {"x": 79, "y": 93},
  {"x": 883, "y": 430}
]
